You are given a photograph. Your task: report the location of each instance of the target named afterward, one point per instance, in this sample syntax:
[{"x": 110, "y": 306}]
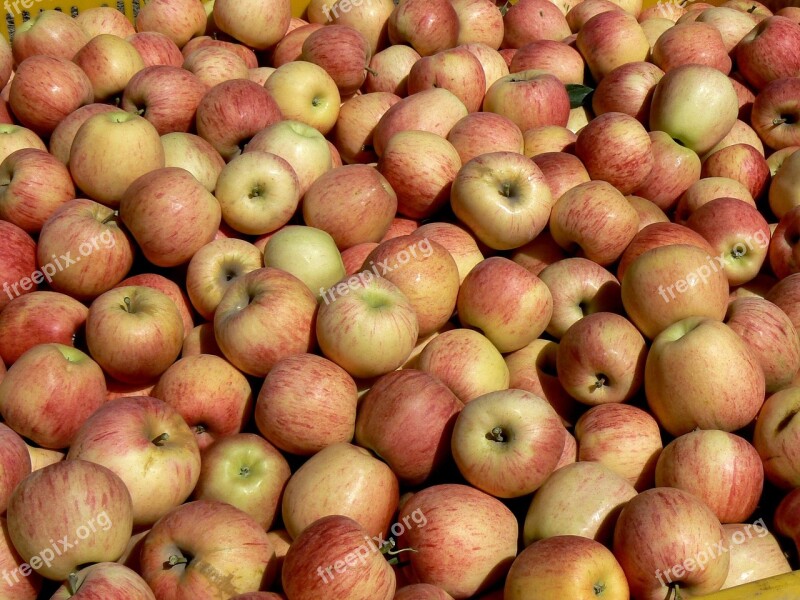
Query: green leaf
[{"x": 579, "y": 95}]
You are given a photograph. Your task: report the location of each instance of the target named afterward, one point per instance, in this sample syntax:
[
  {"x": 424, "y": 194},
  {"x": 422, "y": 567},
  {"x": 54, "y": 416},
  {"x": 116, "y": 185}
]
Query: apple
[
  {"x": 514, "y": 216},
  {"x": 741, "y": 162},
  {"x": 627, "y": 89},
  {"x": 245, "y": 21},
  {"x": 530, "y": 20},
  {"x": 64, "y": 134},
  {"x": 455, "y": 69},
  {"x": 786, "y": 521},
  {"x": 675, "y": 169},
  {"x": 232, "y": 112},
  {"x": 740, "y": 133},
  {"x": 214, "y": 64},
  {"x": 110, "y": 62},
  {"x": 774, "y": 437},
  {"x": 580, "y": 13},
  {"x": 369, "y": 18},
  {"x": 104, "y": 19},
  {"x": 388, "y": 70},
  {"x": 548, "y": 138},
  {"x": 343, "y": 52},
  {"x": 766, "y": 52},
  {"x": 105, "y": 580},
  {"x": 180, "y": 20},
  {"x": 775, "y": 113},
  {"x": 45, "y": 90},
  {"x": 354, "y": 128},
  {"x": 156, "y": 48},
  {"x": 17, "y": 264},
  {"x": 553, "y": 56},
  {"x": 531, "y": 98},
  {"x": 290, "y": 47},
  {"x": 459, "y": 242},
  {"x": 421, "y": 591},
  {"x": 16, "y": 462},
  {"x": 303, "y": 91},
  {"x": 49, "y": 33},
  {"x": 89, "y": 526},
  {"x": 755, "y": 553},
  {"x": 566, "y": 566},
  {"x": 782, "y": 190},
  {"x": 196, "y": 155},
  {"x": 172, "y": 290},
  {"x": 689, "y": 361},
  {"x": 493, "y": 63},
  {"x": 16, "y": 586},
  {"x": 707, "y": 189},
  {"x": 335, "y": 555},
  {"x": 482, "y": 132},
  {"x": 207, "y": 547},
  {"x": 610, "y": 39},
  {"x": 427, "y": 26},
  {"x": 696, "y": 43},
  {"x": 14, "y": 137}
]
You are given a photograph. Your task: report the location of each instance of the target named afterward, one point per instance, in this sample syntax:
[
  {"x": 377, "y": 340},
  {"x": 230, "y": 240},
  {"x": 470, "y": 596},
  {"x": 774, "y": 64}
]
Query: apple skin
[
  {"x": 610, "y": 39},
  {"x": 455, "y": 69},
  {"x": 707, "y": 464},
  {"x": 343, "y": 52},
  {"x": 49, "y": 33},
  {"x": 675, "y": 169},
  {"x": 369, "y": 18},
  {"x": 553, "y": 56},
  {"x": 307, "y": 572},
  {"x": 482, "y": 132},
  {"x": 457, "y": 516},
  {"x": 356, "y": 484},
  {"x": 180, "y": 20},
  {"x": 106, "y": 580},
  {"x": 741, "y": 162},
  {"x": 26, "y": 588},
  {"x": 663, "y": 527},
  {"x": 657, "y": 235},
  {"x": 354, "y": 129},
  {"x": 63, "y": 135},
  {"x": 753, "y": 557},
  {"x": 109, "y": 61},
  {"x": 627, "y": 89},
  {"x": 16, "y": 137},
  {"x": 530, "y": 20},
  {"x": 563, "y": 171},
  {"x": 767, "y": 52},
  {"x": 531, "y": 98},
  {"x": 172, "y": 290},
  {"x": 393, "y": 404},
  {"x": 693, "y": 42},
  {"x": 427, "y": 26},
  {"x": 17, "y": 262},
  {"x": 16, "y": 463},
  {"x": 49, "y": 392},
  {"x": 211, "y": 560},
  {"x": 156, "y": 49},
  {"x": 421, "y": 591},
  {"x": 786, "y": 516},
  {"x": 775, "y": 437},
  {"x": 566, "y": 566},
  {"x": 305, "y": 92},
  {"x": 691, "y": 359},
  {"x": 775, "y": 112},
  {"x": 196, "y": 155},
  {"x": 300, "y": 386},
  {"x": 783, "y": 189},
  {"x": 71, "y": 487},
  {"x": 459, "y": 242},
  {"x": 389, "y": 69},
  {"x": 212, "y": 64}
]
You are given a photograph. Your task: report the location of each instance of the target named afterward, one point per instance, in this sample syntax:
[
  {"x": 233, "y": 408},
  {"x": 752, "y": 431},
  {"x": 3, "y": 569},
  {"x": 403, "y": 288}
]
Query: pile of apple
[{"x": 418, "y": 301}]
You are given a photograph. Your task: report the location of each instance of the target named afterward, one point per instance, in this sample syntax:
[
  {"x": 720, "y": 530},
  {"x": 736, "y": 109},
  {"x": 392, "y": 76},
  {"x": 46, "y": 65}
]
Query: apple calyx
[
  {"x": 174, "y": 560},
  {"x": 158, "y": 441},
  {"x": 601, "y": 382},
  {"x": 497, "y": 434},
  {"x": 256, "y": 192}
]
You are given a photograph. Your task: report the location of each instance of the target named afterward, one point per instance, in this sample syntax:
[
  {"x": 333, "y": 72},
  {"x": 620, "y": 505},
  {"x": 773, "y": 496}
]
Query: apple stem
[
  {"x": 177, "y": 560},
  {"x": 778, "y": 121},
  {"x": 674, "y": 592},
  {"x": 161, "y": 438},
  {"x": 113, "y": 215},
  {"x": 496, "y": 435},
  {"x": 751, "y": 10},
  {"x": 371, "y": 71},
  {"x": 72, "y": 583},
  {"x": 388, "y": 548}
]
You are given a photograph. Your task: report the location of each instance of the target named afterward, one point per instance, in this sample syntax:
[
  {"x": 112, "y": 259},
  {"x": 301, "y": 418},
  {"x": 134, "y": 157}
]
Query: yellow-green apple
[
  {"x": 566, "y": 566},
  {"x": 105, "y": 19},
  {"x": 355, "y": 484},
  {"x": 738, "y": 234},
  {"x": 424, "y": 271},
  {"x": 532, "y": 98},
  {"x": 741, "y": 162},
  {"x": 508, "y": 442},
  {"x": 459, "y": 242},
  {"x": 530, "y": 20},
  {"x": 434, "y": 110},
  {"x": 343, "y": 52},
  {"x": 299, "y": 144},
  {"x": 456, "y": 70},
  {"x": 610, "y": 39},
  {"x": 355, "y": 126},
  {"x": 668, "y": 283},
  {"x": 422, "y": 187},
  {"x": 493, "y": 63},
  {"x": 17, "y": 264},
  {"x": 134, "y": 333},
  {"x": 211, "y": 395},
  {"x": 707, "y": 189},
  {"x": 254, "y": 23},
  {"x": 212, "y": 269},
  {"x": 786, "y": 516},
  {"x": 16, "y": 586},
  {"x": 553, "y": 56},
  {"x": 388, "y": 70},
  {"x": 101, "y": 522},
  {"x": 305, "y": 92},
  {"x": 180, "y": 20},
  {"x": 246, "y": 471},
  {"x": 264, "y": 316},
  {"x": 732, "y": 24},
  {"x": 630, "y": 162},
  {"x": 563, "y": 171},
  {"x": 33, "y": 185},
  {"x": 110, "y": 151},
  {"x": 366, "y": 325},
  {"x": 15, "y": 137},
  {"x": 298, "y": 388},
  {"x": 696, "y": 105},
  {"x": 91, "y": 233},
  {"x": 548, "y": 138},
  {"x": 507, "y": 303},
  {"x": 775, "y": 437},
  {"x": 44, "y": 90},
  {"x": 156, "y": 48},
  {"x": 37, "y": 318},
  {"x": 583, "y": 498},
  {"x": 769, "y": 334},
  {"x": 451, "y": 516},
  {"x": 720, "y": 468},
  {"x": 16, "y": 462},
  {"x": 49, "y": 33},
  {"x": 354, "y": 204},
  {"x": 622, "y": 437},
  {"x": 173, "y": 291},
  {"x": 171, "y": 191},
  {"x": 601, "y": 359},
  {"x": 109, "y": 62},
  {"x": 627, "y": 89},
  {"x": 482, "y": 132},
  {"x": 106, "y": 579},
  {"x": 702, "y": 345},
  {"x": 776, "y": 111},
  {"x": 755, "y": 553},
  {"x": 335, "y": 555},
  {"x": 232, "y": 112},
  {"x": 595, "y": 219},
  {"x": 49, "y": 392},
  {"x": 580, "y": 13},
  {"x": 648, "y": 212},
  {"x": 428, "y": 27},
  {"x": 579, "y": 287},
  {"x": 63, "y": 135},
  {"x": 422, "y": 591},
  {"x": 166, "y": 96},
  {"x": 369, "y": 18},
  {"x": 211, "y": 65},
  {"x": 675, "y": 169},
  {"x": 391, "y": 422},
  {"x": 694, "y": 43},
  {"x": 146, "y": 443},
  {"x": 666, "y": 538},
  {"x": 207, "y": 549},
  {"x": 533, "y": 369},
  {"x": 767, "y": 52},
  {"x": 784, "y": 186},
  {"x": 503, "y": 197},
  {"x": 291, "y": 45},
  {"x": 467, "y": 362}
]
